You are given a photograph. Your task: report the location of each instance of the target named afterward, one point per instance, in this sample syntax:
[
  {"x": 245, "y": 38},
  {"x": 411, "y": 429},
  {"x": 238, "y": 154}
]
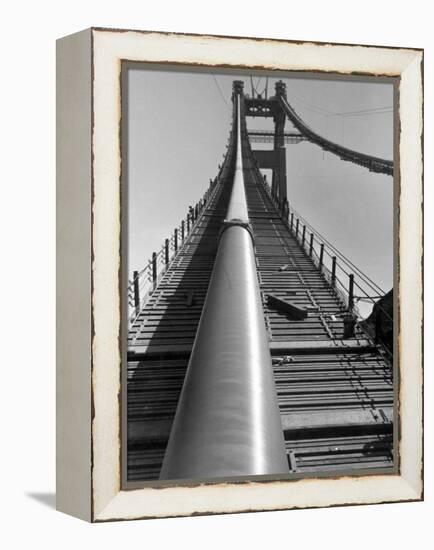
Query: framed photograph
[{"x": 239, "y": 261}]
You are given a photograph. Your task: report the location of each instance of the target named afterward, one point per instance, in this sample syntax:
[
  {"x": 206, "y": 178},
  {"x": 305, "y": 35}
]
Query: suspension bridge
[{"x": 246, "y": 354}]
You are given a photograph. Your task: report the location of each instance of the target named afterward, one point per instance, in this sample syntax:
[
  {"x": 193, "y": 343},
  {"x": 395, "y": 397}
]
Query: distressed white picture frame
[{"x": 88, "y": 264}]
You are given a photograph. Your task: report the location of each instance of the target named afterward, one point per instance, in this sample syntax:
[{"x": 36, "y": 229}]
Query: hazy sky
[{"x": 178, "y": 124}]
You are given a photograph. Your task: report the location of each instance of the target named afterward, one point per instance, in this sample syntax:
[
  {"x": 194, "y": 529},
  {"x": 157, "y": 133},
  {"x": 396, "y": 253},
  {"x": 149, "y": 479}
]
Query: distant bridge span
[{"x": 374, "y": 164}]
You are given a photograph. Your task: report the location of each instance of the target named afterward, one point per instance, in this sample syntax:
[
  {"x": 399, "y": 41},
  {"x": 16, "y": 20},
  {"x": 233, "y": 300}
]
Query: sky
[{"x": 178, "y": 125}]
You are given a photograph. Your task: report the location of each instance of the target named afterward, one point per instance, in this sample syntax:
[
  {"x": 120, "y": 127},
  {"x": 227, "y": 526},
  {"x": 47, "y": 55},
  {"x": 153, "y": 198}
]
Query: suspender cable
[{"x": 227, "y": 422}]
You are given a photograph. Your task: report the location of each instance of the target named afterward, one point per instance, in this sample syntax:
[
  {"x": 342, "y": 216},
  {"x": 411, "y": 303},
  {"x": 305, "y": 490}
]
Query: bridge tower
[
  {"x": 307, "y": 388},
  {"x": 274, "y": 159}
]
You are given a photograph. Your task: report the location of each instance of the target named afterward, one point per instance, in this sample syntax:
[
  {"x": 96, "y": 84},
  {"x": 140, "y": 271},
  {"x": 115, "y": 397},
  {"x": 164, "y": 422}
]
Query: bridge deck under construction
[{"x": 335, "y": 394}]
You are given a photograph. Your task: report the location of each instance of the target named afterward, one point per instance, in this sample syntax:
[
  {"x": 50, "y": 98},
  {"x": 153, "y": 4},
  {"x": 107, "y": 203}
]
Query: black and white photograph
[
  {"x": 259, "y": 263},
  {"x": 218, "y": 257}
]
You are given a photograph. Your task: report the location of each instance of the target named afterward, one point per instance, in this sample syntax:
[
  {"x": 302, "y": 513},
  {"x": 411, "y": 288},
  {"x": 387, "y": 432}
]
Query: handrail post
[
  {"x": 311, "y": 245},
  {"x": 188, "y": 223},
  {"x": 182, "y": 231},
  {"x": 166, "y": 252},
  {"x": 175, "y": 240},
  {"x": 334, "y": 271},
  {"x": 303, "y": 238},
  {"x": 292, "y": 220},
  {"x": 154, "y": 268},
  {"x": 136, "y": 292},
  {"x": 321, "y": 256},
  {"x": 351, "y": 292},
  {"x": 296, "y": 228}
]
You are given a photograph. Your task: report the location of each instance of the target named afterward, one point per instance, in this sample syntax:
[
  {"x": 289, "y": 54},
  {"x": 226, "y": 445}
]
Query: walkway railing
[
  {"x": 349, "y": 282},
  {"x": 144, "y": 282}
]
